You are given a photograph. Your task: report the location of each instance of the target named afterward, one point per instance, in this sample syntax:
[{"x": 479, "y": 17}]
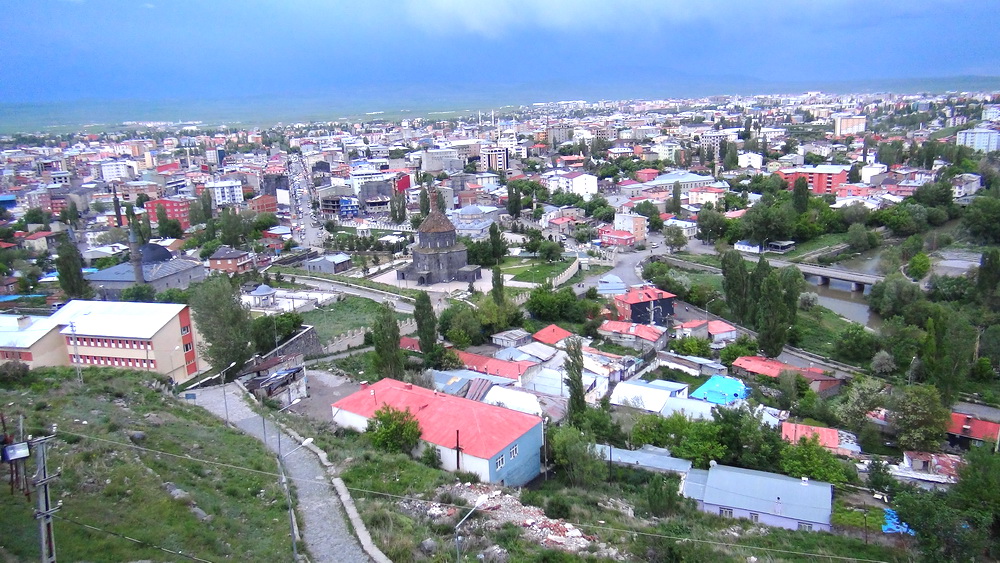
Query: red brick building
[
  {"x": 263, "y": 204},
  {"x": 178, "y": 208},
  {"x": 823, "y": 179}
]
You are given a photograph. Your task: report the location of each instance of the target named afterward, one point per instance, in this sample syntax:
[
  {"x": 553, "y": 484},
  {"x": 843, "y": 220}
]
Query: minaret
[{"x": 135, "y": 257}]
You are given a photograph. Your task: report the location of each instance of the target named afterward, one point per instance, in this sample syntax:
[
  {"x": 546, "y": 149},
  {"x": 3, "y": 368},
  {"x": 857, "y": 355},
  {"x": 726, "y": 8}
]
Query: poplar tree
[
  {"x": 385, "y": 334},
  {"x": 423, "y": 313},
  {"x": 573, "y": 365}
]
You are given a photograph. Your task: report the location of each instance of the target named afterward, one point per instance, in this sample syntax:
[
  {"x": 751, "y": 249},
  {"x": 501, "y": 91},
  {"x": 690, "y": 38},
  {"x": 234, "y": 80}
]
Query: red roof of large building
[
  {"x": 977, "y": 429},
  {"x": 552, "y": 334},
  {"x": 493, "y": 366},
  {"x": 773, "y": 368},
  {"x": 828, "y": 437},
  {"x": 482, "y": 430},
  {"x": 645, "y": 332},
  {"x": 644, "y": 294}
]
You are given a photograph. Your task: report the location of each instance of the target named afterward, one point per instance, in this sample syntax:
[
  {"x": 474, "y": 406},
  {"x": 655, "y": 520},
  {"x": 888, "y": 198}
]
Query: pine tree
[
  {"x": 69, "y": 265},
  {"x": 423, "y": 312},
  {"x": 385, "y": 335},
  {"x": 425, "y": 202},
  {"x": 497, "y": 291},
  {"x": 577, "y": 403}
]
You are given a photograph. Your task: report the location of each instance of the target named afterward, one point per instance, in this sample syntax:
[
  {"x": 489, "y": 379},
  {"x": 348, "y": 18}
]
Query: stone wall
[{"x": 306, "y": 342}]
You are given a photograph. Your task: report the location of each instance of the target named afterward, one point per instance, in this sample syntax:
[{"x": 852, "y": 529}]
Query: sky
[{"x": 66, "y": 50}]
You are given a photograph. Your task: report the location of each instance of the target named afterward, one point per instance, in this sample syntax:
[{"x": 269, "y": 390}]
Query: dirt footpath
[{"x": 325, "y": 389}]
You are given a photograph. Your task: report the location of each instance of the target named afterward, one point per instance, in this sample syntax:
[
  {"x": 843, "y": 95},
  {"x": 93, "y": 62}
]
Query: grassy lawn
[
  {"x": 818, "y": 329},
  {"x": 593, "y": 271},
  {"x": 108, "y": 484},
  {"x": 818, "y": 243},
  {"x": 704, "y": 259},
  {"x": 338, "y": 317},
  {"x": 533, "y": 270},
  {"x": 346, "y": 279},
  {"x": 713, "y": 281}
]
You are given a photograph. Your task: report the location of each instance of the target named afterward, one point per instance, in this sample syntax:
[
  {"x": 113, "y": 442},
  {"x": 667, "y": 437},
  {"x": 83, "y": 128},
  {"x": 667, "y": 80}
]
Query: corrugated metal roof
[
  {"x": 759, "y": 491},
  {"x": 649, "y": 458}
]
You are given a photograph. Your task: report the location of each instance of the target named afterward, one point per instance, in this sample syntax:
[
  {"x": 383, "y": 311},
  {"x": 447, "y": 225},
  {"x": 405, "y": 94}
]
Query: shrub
[
  {"x": 14, "y": 372},
  {"x": 558, "y": 507},
  {"x": 431, "y": 457},
  {"x": 393, "y": 430}
]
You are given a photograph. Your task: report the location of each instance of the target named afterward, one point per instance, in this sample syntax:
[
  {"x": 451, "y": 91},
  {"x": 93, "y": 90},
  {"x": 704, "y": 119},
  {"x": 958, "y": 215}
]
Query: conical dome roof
[{"x": 436, "y": 222}]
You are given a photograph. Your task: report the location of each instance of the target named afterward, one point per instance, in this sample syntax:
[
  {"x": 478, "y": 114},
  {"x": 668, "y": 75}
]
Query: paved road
[{"x": 322, "y": 524}]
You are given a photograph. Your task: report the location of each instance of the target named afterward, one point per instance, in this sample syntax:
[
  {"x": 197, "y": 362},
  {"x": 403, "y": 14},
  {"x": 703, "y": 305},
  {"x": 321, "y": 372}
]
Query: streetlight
[
  {"x": 706, "y": 307},
  {"x": 458, "y": 546},
  {"x": 290, "y": 405},
  {"x": 304, "y": 443},
  {"x": 225, "y": 401}
]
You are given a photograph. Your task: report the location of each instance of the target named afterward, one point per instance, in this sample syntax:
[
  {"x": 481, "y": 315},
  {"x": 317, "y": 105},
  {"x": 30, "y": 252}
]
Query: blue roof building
[{"x": 721, "y": 390}]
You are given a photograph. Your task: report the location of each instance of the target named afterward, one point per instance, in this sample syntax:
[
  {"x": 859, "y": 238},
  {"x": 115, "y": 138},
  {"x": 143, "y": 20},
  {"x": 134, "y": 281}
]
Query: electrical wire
[
  {"x": 133, "y": 540},
  {"x": 414, "y": 499}
]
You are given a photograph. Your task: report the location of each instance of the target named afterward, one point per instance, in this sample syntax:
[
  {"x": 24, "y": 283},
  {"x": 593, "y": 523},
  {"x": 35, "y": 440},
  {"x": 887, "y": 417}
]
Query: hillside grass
[
  {"x": 818, "y": 329},
  {"x": 534, "y": 270},
  {"x": 109, "y": 484},
  {"x": 338, "y": 317}
]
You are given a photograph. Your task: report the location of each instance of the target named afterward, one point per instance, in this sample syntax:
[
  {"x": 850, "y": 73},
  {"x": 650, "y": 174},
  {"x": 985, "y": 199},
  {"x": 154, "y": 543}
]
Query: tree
[
  {"x": 944, "y": 532},
  {"x": 223, "y": 322},
  {"x": 675, "y": 200},
  {"x": 736, "y": 284},
  {"x": 732, "y": 160},
  {"x": 674, "y": 238},
  {"x": 550, "y": 251},
  {"x": 423, "y": 313},
  {"x": 389, "y": 359},
  {"x": 425, "y": 202},
  {"x": 712, "y": 225},
  {"x": 919, "y": 265},
  {"x": 748, "y": 441},
  {"x": 859, "y": 238},
  {"x": 772, "y": 323},
  {"x": 440, "y": 202},
  {"x": 883, "y": 364},
  {"x": 230, "y": 228},
  {"x": 701, "y": 444},
  {"x": 573, "y": 365},
  {"x": 978, "y": 484},
  {"x": 576, "y": 455},
  {"x": 69, "y": 266},
  {"x": 99, "y": 207},
  {"x": 920, "y": 418},
  {"x": 809, "y": 459},
  {"x": 648, "y": 209},
  {"x": 140, "y": 200},
  {"x": 513, "y": 200},
  {"x": 497, "y": 290},
  {"x": 855, "y": 343},
  {"x": 862, "y": 397},
  {"x": 206, "y": 204},
  {"x": 394, "y": 431},
  {"x": 141, "y": 293},
  {"x": 800, "y": 195},
  {"x": 498, "y": 246},
  {"x": 854, "y": 174}
]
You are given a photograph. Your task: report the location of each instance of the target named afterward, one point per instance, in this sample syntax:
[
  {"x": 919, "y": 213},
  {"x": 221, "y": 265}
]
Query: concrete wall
[{"x": 767, "y": 519}]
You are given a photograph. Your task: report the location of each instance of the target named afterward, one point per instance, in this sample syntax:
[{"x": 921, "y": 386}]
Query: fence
[
  {"x": 356, "y": 337},
  {"x": 567, "y": 274}
]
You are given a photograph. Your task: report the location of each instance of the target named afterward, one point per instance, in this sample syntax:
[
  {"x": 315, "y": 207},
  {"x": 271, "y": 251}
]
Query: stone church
[{"x": 437, "y": 254}]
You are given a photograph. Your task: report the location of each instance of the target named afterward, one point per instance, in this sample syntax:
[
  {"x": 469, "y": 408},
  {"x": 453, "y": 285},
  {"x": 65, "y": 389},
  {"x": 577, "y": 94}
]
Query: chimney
[
  {"x": 24, "y": 321},
  {"x": 364, "y": 385},
  {"x": 407, "y": 386},
  {"x": 805, "y": 481}
]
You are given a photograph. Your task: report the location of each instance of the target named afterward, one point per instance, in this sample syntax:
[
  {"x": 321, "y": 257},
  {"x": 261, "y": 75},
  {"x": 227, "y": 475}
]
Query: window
[
  {"x": 188, "y": 347},
  {"x": 726, "y": 512},
  {"x": 754, "y": 517},
  {"x": 500, "y": 462},
  {"x": 185, "y": 329},
  {"x": 804, "y": 527},
  {"x": 513, "y": 451}
]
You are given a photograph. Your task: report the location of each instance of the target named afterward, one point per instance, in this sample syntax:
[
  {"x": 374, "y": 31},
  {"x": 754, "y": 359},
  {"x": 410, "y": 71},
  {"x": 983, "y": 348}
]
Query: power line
[
  {"x": 133, "y": 540},
  {"x": 415, "y": 499}
]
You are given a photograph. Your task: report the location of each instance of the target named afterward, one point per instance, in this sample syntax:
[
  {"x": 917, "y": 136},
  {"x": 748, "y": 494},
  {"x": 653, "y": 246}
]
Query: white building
[
  {"x": 226, "y": 192},
  {"x": 750, "y": 160},
  {"x": 844, "y": 124},
  {"x": 115, "y": 170},
  {"x": 986, "y": 140},
  {"x": 579, "y": 183},
  {"x": 991, "y": 113}
]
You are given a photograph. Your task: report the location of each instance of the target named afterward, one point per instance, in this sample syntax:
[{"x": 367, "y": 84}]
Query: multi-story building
[
  {"x": 263, "y": 204},
  {"x": 230, "y": 260},
  {"x": 986, "y": 140},
  {"x": 823, "y": 179},
  {"x": 493, "y": 158},
  {"x": 158, "y": 337},
  {"x": 844, "y": 124},
  {"x": 579, "y": 183},
  {"x": 115, "y": 170},
  {"x": 559, "y": 134},
  {"x": 226, "y": 192},
  {"x": 129, "y": 191},
  {"x": 633, "y": 223},
  {"x": 177, "y": 207}
]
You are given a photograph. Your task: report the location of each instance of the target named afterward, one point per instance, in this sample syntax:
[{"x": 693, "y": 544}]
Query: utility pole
[
  {"x": 76, "y": 352},
  {"x": 45, "y": 508}
]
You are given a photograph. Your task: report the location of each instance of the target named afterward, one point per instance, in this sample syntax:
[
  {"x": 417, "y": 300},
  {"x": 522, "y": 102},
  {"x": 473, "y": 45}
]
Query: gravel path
[{"x": 322, "y": 522}]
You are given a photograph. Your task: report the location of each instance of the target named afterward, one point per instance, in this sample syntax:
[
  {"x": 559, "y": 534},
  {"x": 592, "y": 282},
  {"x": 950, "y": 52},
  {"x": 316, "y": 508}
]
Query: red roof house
[
  {"x": 513, "y": 371},
  {"x": 500, "y": 445},
  {"x": 819, "y": 382},
  {"x": 967, "y": 430},
  {"x": 552, "y": 335}
]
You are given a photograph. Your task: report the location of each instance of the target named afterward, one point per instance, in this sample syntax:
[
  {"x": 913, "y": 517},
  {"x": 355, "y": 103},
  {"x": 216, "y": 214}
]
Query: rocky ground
[{"x": 501, "y": 507}]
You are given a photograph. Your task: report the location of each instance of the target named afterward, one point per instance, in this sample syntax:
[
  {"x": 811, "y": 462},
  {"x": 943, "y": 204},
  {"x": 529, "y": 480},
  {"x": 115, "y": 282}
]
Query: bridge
[{"x": 857, "y": 280}]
